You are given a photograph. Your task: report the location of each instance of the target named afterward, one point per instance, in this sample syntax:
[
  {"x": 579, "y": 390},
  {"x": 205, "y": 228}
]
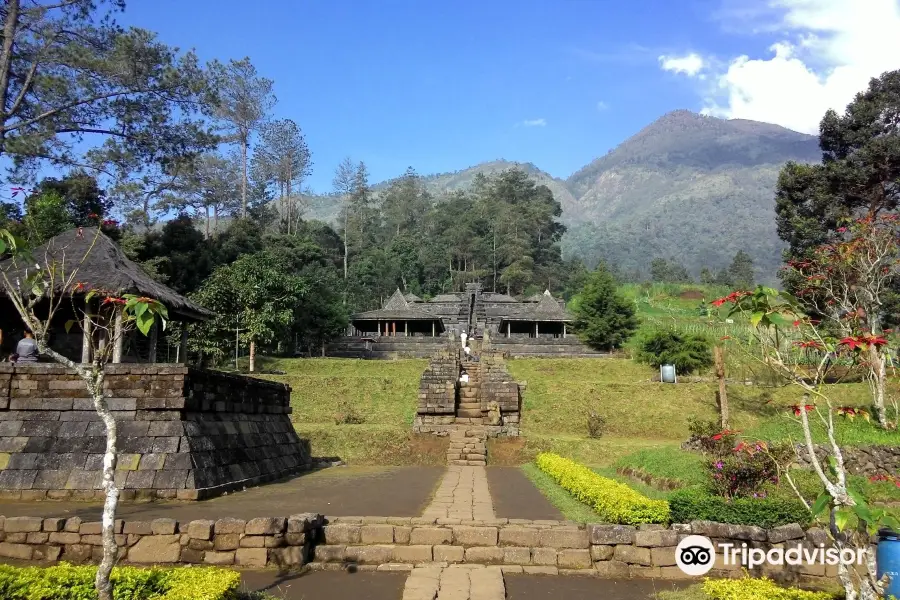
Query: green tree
[
  {"x": 282, "y": 161},
  {"x": 242, "y": 103},
  {"x": 81, "y": 196},
  {"x": 45, "y": 217},
  {"x": 706, "y": 276},
  {"x": 741, "y": 271},
  {"x": 210, "y": 189},
  {"x": 668, "y": 271},
  {"x": 604, "y": 319},
  {"x": 257, "y": 295},
  {"x": 688, "y": 352}
]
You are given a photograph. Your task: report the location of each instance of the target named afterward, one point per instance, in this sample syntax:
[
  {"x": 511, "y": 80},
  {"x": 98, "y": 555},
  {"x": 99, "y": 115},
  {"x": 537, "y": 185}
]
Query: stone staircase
[
  {"x": 468, "y": 410},
  {"x": 468, "y": 447}
]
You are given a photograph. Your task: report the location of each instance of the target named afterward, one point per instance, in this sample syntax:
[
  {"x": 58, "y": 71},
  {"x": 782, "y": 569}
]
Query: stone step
[{"x": 469, "y": 413}]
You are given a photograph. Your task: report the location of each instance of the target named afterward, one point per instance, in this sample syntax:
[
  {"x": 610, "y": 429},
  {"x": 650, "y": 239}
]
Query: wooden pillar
[
  {"x": 118, "y": 337},
  {"x": 86, "y": 336},
  {"x": 379, "y": 328},
  {"x": 536, "y": 329},
  {"x": 154, "y": 335},
  {"x": 432, "y": 329},
  {"x": 564, "y": 330},
  {"x": 405, "y": 328},
  {"x": 182, "y": 348},
  {"x": 393, "y": 328},
  {"x": 508, "y": 329}
]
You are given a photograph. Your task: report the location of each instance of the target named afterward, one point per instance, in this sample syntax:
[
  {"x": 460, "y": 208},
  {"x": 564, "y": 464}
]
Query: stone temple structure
[{"x": 407, "y": 326}]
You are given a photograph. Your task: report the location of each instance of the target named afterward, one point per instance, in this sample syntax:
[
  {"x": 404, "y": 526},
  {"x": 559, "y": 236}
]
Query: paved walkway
[
  {"x": 463, "y": 494},
  {"x": 457, "y": 582}
]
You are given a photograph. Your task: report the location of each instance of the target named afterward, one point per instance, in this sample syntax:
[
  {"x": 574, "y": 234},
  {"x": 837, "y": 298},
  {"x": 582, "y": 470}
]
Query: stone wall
[
  {"x": 498, "y": 386},
  {"x": 386, "y": 347},
  {"x": 859, "y": 460},
  {"x": 568, "y": 347},
  {"x": 265, "y": 542},
  {"x": 183, "y": 433},
  {"x": 439, "y": 385}
]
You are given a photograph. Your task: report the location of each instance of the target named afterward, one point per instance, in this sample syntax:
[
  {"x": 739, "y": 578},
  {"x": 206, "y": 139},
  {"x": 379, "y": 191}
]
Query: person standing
[
  {"x": 464, "y": 336},
  {"x": 27, "y": 349}
]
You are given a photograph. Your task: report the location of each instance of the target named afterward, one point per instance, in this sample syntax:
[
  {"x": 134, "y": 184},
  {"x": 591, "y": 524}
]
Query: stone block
[
  {"x": 518, "y": 536},
  {"x": 633, "y": 555},
  {"x": 662, "y": 557},
  {"x": 513, "y": 555},
  {"x": 226, "y": 541},
  {"x": 16, "y": 538},
  {"x": 656, "y": 538},
  {"x": 163, "y": 526},
  {"x": 543, "y": 556},
  {"x": 91, "y": 528},
  {"x": 64, "y": 538},
  {"x": 138, "y": 527},
  {"x": 369, "y": 555},
  {"x": 46, "y": 553},
  {"x": 54, "y": 525},
  {"x": 412, "y": 554},
  {"x": 728, "y": 531},
  {"x": 197, "y": 544},
  {"x": 253, "y": 541},
  {"x": 23, "y": 524},
  {"x": 564, "y": 537},
  {"x": 192, "y": 556},
  {"x": 431, "y": 536},
  {"x": 571, "y": 558},
  {"x": 674, "y": 573},
  {"x": 265, "y": 526},
  {"x": 448, "y": 554},
  {"x": 341, "y": 534},
  {"x": 73, "y": 525},
  {"x": 77, "y": 553},
  {"x": 377, "y": 534},
  {"x": 474, "y": 536},
  {"x": 229, "y": 526},
  {"x": 492, "y": 555},
  {"x": 37, "y": 537},
  {"x": 327, "y": 553},
  {"x": 611, "y": 569},
  {"x": 19, "y": 551},
  {"x": 153, "y": 549},
  {"x": 200, "y": 529},
  {"x": 602, "y": 552},
  {"x": 402, "y": 534},
  {"x": 784, "y": 533},
  {"x": 540, "y": 570},
  {"x": 611, "y": 534},
  {"x": 219, "y": 558},
  {"x": 286, "y": 557},
  {"x": 642, "y": 572}
]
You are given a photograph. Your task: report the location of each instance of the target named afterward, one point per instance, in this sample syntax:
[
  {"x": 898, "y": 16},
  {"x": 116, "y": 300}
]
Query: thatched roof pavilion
[{"x": 101, "y": 265}]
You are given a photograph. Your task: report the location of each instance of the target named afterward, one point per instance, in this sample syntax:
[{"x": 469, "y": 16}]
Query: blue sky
[{"x": 442, "y": 86}]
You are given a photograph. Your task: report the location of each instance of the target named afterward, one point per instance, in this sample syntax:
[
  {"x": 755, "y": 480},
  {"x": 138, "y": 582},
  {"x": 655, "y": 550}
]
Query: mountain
[{"x": 688, "y": 187}]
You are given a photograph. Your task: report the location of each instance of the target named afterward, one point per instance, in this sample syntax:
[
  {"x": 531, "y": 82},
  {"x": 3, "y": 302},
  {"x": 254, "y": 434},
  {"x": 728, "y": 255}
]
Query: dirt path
[
  {"x": 515, "y": 497},
  {"x": 334, "y": 492}
]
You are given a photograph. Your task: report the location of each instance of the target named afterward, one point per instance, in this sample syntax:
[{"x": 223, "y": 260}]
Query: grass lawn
[
  {"x": 572, "y": 509},
  {"x": 667, "y": 463}
]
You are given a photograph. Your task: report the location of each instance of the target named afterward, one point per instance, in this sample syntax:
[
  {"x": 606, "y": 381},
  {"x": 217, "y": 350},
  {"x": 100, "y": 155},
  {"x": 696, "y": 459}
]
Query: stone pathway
[
  {"x": 456, "y": 582},
  {"x": 463, "y": 494}
]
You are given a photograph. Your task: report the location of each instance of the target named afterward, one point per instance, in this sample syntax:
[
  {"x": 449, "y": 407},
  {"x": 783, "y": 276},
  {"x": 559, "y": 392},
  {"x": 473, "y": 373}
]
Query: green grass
[
  {"x": 694, "y": 592},
  {"x": 638, "y": 486},
  {"x": 572, "y": 509},
  {"x": 667, "y": 463}
]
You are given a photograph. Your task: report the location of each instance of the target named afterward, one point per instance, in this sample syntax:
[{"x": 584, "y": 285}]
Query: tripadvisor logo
[{"x": 696, "y": 555}]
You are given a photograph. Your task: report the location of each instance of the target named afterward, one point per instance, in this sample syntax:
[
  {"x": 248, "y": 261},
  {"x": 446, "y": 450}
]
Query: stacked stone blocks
[{"x": 182, "y": 433}]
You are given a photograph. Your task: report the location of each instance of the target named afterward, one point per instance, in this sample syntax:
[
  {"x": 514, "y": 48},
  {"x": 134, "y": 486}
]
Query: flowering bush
[
  {"x": 748, "y": 588},
  {"x": 710, "y": 438},
  {"x": 615, "y": 502},
  {"x": 746, "y": 471}
]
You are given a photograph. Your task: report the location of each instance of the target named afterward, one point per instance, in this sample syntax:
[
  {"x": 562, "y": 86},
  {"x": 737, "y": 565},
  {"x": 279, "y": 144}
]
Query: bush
[
  {"x": 748, "y": 469},
  {"x": 749, "y": 588},
  {"x": 696, "y": 504},
  {"x": 596, "y": 425},
  {"x": 604, "y": 319},
  {"x": 687, "y": 351},
  {"x": 614, "y": 502},
  {"x": 709, "y": 437},
  {"x": 68, "y": 582}
]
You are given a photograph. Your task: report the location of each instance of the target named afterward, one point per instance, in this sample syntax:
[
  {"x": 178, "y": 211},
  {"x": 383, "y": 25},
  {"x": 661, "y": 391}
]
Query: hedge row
[
  {"x": 68, "y": 582},
  {"x": 614, "y": 502},
  {"x": 695, "y": 504},
  {"x": 748, "y": 588}
]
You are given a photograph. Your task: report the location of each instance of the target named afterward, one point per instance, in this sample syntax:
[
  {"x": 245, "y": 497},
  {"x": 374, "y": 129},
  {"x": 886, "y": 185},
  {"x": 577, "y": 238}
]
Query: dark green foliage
[
  {"x": 695, "y": 504},
  {"x": 741, "y": 272},
  {"x": 81, "y": 197},
  {"x": 604, "y": 320},
  {"x": 689, "y": 353},
  {"x": 596, "y": 425},
  {"x": 668, "y": 271}
]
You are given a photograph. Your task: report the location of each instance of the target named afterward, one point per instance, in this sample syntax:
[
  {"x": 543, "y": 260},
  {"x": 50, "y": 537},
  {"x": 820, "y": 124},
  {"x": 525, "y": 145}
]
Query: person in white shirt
[
  {"x": 464, "y": 336},
  {"x": 464, "y": 378}
]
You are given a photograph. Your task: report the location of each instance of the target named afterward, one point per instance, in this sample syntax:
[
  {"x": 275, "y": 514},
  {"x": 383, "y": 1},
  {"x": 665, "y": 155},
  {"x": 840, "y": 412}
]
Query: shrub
[
  {"x": 696, "y": 504},
  {"x": 749, "y": 588},
  {"x": 347, "y": 414},
  {"x": 747, "y": 469},
  {"x": 709, "y": 437},
  {"x": 596, "y": 425},
  {"x": 687, "y": 351},
  {"x": 614, "y": 502},
  {"x": 68, "y": 582}
]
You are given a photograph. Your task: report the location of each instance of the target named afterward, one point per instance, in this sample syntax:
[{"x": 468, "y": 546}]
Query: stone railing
[
  {"x": 265, "y": 542},
  {"x": 392, "y": 544},
  {"x": 183, "y": 433}
]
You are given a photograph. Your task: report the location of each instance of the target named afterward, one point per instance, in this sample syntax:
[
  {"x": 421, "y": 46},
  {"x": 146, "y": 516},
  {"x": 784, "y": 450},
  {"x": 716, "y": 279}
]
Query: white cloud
[
  {"x": 535, "y": 122},
  {"x": 601, "y": 105},
  {"x": 690, "y": 64},
  {"x": 826, "y": 53}
]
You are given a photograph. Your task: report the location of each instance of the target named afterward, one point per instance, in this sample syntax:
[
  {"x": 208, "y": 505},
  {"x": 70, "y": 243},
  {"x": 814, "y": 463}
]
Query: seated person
[{"x": 27, "y": 349}]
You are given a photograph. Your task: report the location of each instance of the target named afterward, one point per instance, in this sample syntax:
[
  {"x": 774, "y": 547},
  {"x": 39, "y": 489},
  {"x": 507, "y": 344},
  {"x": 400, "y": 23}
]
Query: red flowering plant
[
  {"x": 748, "y": 470},
  {"x": 779, "y": 320},
  {"x": 847, "y": 282}
]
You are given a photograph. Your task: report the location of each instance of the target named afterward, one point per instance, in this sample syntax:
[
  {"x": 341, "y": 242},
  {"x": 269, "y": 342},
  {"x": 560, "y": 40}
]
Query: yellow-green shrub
[
  {"x": 69, "y": 582},
  {"x": 615, "y": 502},
  {"x": 756, "y": 589}
]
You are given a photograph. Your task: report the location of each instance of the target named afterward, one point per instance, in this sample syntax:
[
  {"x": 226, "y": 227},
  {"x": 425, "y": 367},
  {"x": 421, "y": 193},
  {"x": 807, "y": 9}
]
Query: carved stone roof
[{"x": 397, "y": 309}]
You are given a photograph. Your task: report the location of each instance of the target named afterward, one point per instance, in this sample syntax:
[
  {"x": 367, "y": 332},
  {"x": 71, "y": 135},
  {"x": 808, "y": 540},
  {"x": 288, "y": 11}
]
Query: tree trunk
[
  {"x": 346, "y": 247},
  {"x": 111, "y": 500},
  {"x": 244, "y": 142},
  {"x": 722, "y": 394},
  {"x": 207, "y": 222},
  {"x": 252, "y": 355},
  {"x": 877, "y": 383},
  {"x": 6, "y": 61}
]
